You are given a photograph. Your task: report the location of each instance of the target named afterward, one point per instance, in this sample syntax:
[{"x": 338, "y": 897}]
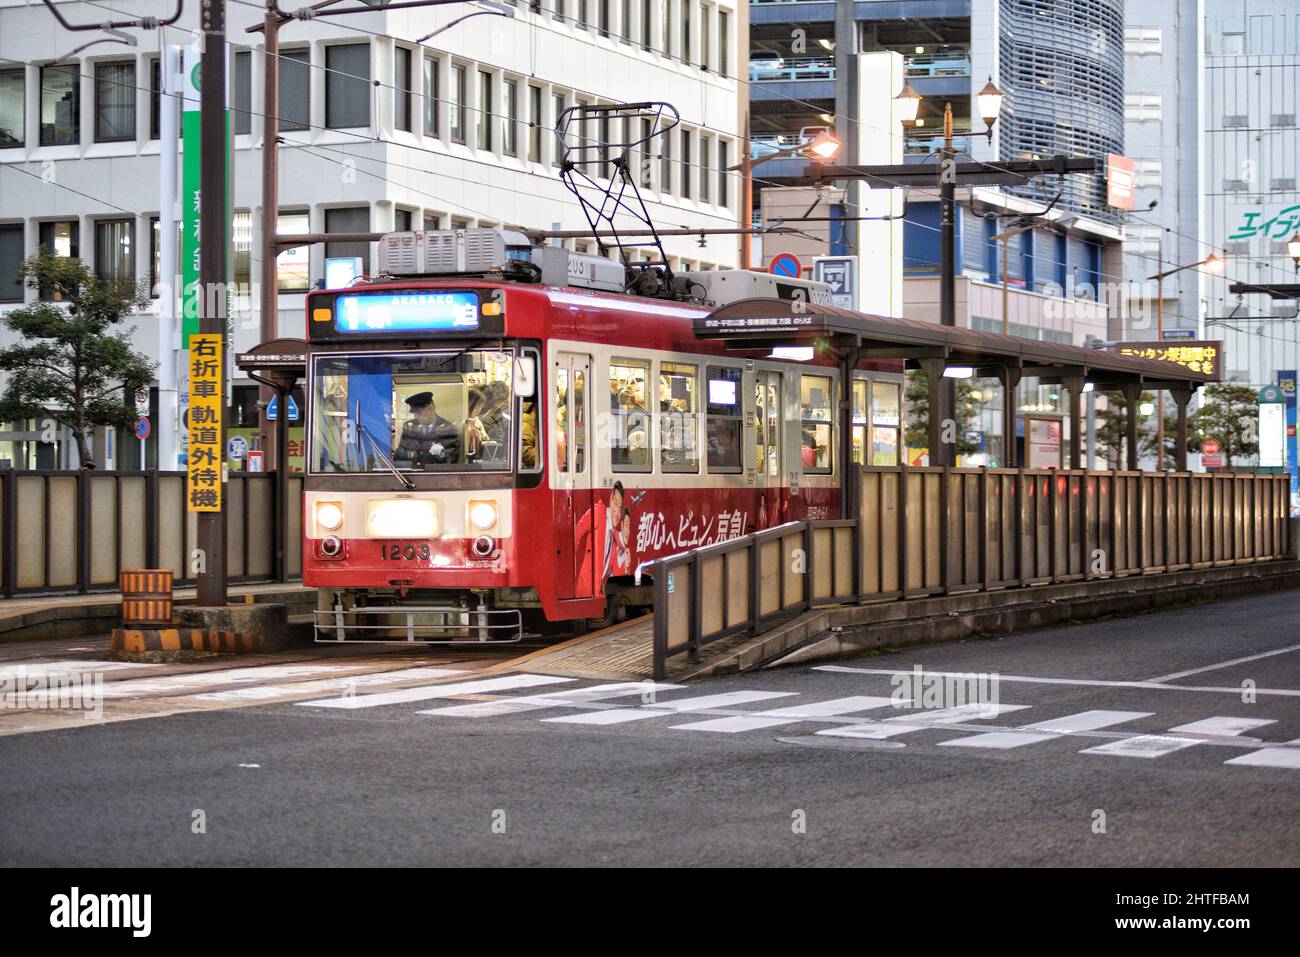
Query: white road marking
[
  {"x": 1279, "y": 756},
  {"x": 42, "y": 668},
  {"x": 325, "y": 686},
  {"x": 906, "y": 724},
  {"x": 429, "y": 692},
  {"x": 1225, "y": 664},
  {"x": 1081, "y": 682},
  {"x": 177, "y": 684},
  {"x": 792, "y": 715},
  {"x": 557, "y": 699},
  {"x": 1046, "y": 730},
  {"x": 660, "y": 709},
  {"x": 1197, "y": 732}
]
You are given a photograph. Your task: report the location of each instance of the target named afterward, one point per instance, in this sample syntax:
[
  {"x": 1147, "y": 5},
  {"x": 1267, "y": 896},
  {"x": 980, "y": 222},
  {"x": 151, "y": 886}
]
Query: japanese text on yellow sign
[
  {"x": 1206, "y": 357},
  {"x": 203, "y": 493}
]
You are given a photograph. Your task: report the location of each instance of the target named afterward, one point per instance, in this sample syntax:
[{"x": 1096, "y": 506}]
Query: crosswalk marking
[
  {"x": 1278, "y": 756},
  {"x": 791, "y": 715},
  {"x": 1046, "y": 730},
  {"x": 1197, "y": 732},
  {"x": 659, "y": 709},
  {"x": 43, "y": 668},
  {"x": 429, "y": 692},
  {"x": 919, "y": 721},
  {"x": 556, "y": 699},
  {"x": 327, "y": 685},
  {"x": 175, "y": 684}
]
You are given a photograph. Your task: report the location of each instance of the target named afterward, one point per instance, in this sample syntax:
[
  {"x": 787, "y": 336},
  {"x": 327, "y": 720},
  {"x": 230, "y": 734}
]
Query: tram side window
[
  {"x": 562, "y": 418},
  {"x": 815, "y": 403},
  {"x": 677, "y": 422},
  {"x": 886, "y": 420},
  {"x": 630, "y": 416},
  {"x": 860, "y": 419},
  {"x": 725, "y": 419}
]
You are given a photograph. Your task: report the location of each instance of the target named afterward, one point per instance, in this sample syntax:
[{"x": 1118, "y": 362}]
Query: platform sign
[
  {"x": 255, "y": 457},
  {"x": 1272, "y": 428},
  {"x": 204, "y": 458},
  {"x": 841, "y": 274},
  {"x": 1286, "y": 381},
  {"x": 785, "y": 264},
  {"x": 1196, "y": 355}
]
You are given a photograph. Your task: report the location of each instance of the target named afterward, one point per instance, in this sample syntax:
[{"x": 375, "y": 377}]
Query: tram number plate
[{"x": 410, "y": 553}]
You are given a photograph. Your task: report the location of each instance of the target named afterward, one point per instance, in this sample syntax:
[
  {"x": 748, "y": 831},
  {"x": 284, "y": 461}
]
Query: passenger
[
  {"x": 495, "y": 419},
  {"x": 475, "y": 434},
  {"x": 528, "y": 436},
  {"x": 427, "y": 438}
]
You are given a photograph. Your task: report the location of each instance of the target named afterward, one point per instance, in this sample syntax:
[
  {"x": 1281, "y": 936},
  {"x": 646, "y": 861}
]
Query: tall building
[
  {"x": 380, "y": 131},
  {"x": 1163, "y": 136},
  {"x": 1252, "y": 203}
]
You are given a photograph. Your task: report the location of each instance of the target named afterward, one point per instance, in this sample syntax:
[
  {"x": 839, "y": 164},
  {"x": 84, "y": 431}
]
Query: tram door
[
  {"x": 579, "y": 529},
  {"x": 767, "y": 452}
]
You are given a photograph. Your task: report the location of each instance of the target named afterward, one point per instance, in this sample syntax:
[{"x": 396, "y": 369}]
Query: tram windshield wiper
[{"x": 382, "y": 455}]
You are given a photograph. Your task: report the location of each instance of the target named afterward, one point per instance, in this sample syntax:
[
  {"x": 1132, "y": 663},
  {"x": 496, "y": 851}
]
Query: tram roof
[{"x": 763, "y": 323}]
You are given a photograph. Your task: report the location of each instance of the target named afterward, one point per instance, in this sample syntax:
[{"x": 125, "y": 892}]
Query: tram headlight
[
  {"x": 329, "y": 515},
  {"x": 483, "y": 515}
]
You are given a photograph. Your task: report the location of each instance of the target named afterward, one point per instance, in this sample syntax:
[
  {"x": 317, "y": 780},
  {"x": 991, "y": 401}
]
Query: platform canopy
[{"x": 764, "y": 323}]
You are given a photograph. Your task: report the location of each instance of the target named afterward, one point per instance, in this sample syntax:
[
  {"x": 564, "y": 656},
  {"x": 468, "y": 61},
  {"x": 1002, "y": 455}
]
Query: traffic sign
[
  {"x": 841, "y": 274},
  {"x": 255, "y": 457},
  {"x": 142, "y": 428},
  {"x": 1210, "y": 447},
  {"x": 785, "y": 264},
  {"x": 1212, "y": 461},
  {"x": 142, "y": 402},
  {"x": 273, "y": 409},
  {"x": 237, "y": 447},
  {"x": 1178, "y": 334}
]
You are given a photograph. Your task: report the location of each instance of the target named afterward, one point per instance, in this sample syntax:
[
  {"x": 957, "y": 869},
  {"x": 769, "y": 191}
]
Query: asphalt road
[{"x": 294, "y": 784}]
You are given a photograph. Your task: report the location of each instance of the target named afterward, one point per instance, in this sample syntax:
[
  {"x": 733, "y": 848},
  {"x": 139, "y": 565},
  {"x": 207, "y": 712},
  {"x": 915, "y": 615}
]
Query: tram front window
[{"x": 425, "y": 412}]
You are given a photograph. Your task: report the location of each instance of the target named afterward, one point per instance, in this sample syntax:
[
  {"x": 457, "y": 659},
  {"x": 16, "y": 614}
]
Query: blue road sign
[
  {"x": 1179, "y": 334},
  {"x": 273, "y": 409},
  {"x": 785, "y": 264},
  {"x": 141, "y": 428}
]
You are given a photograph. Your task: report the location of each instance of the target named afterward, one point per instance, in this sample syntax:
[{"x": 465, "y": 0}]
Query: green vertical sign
[{"x": 191, "y": 193}]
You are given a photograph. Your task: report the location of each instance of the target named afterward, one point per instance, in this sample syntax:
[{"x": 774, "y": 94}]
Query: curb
[{"x": 138, "y": 640}]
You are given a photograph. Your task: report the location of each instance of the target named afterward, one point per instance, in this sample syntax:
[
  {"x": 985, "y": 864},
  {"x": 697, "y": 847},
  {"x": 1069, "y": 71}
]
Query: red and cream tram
[{"x": 487, "y": 455}]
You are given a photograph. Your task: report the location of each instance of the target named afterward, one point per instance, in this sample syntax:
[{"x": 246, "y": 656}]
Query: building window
[
  {"x": 1142, "y": 107},
  {"x": 1142, "y": 41},
  {"x": 535, "y": 124},
  {"x": 484, "y": 116},
  {"x": 724, "y": 44},
  {"x": 155, "y": 254},
  {"x": 665, "y": 163},
  {"x": 155, "y": 98},
  {"x": 706, "y": 37},
  {"x": 510, "y": 130},
  {"x": 604, "y": 17},
  {"x": 114, "y": 250},
  {"x": 646, "y": 24},
  {"x": 677, "y": 410},
  {"x": 686, "y": 30},
  {"x": 60, "y": 238},
  {"x": 402, "y": 83},
  {"x": 686, "y": 164},
  {"x": 347, "y": 86},
  {"x": 1142, "y": 240},
  {"x": 354, "y": 219},
  {"x": 241, "y": 248},
  {"x": 114, "y": 102},
  {"x": 558, "y": 10},
  {"x": 725, "y": 420},
  {"x": 667, "y": 8},
  {"x": 430, "y": 96},
  {"x": 60, "y": 105},
  {"x": 558, "y": 103},
  {"x": 13, "y": 112},
  {"x": 815, "y": 401},
  {"x": 582, "y": 15},
  {"x": 402, "y": 219},
  {"x": 295, "y": 90},
  {"x": 293, "y": 266},
  {"x": 243, "y": 92},
  {"x": 627, "y": 22},
  {"x": 629, "y": 442},
  {"x": 457, "y": 104},
  {"x": 11, "y": 261},
  {"x": 706, "y": 147},
  {"x": 723, "y": 162},
  {"x": 1146, "y": 173}
]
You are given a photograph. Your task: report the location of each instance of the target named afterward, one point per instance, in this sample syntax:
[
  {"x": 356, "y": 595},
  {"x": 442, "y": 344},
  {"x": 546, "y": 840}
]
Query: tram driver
[{"x": 427, "y": 438}]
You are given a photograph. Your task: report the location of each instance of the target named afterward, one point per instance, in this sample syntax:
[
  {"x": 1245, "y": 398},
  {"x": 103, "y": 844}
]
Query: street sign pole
[{"x": 212, "y": 277}]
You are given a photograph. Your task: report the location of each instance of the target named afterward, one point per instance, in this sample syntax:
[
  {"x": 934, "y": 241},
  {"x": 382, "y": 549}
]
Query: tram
[{"x": 496, "y": 447}]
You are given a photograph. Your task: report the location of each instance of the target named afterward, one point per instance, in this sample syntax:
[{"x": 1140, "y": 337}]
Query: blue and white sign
[
  {"x": 841, "y": 274},
  {"x": 406, "y": 312},
  {"x": 1178, "y": 334},
  {"x": 237, "y": 447},
  {"x": 273, "y": 409}
]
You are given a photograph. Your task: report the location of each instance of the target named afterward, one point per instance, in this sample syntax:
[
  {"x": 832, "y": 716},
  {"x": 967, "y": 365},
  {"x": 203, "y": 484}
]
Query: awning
[{"x": 763, "y": 323}]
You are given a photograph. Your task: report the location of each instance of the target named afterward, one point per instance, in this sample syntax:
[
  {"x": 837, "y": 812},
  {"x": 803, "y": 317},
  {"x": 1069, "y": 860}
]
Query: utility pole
[
  {"x": 270, "y": 293},
  {"x": 947, "y": 279},
  {"x": 212, "y": 267}
]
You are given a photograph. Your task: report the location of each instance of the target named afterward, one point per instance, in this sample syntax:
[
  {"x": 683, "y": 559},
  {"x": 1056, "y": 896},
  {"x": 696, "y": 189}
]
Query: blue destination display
[{"x": 406, "y": 312}]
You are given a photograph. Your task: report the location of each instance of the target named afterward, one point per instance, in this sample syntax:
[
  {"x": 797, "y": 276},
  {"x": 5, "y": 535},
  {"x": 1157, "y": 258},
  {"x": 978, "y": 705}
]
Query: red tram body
[{"x": 616, "y": 437}]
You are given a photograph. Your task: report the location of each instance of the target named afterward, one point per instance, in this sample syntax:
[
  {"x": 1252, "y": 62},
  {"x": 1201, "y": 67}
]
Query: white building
[{"x": 378, "y": 133}]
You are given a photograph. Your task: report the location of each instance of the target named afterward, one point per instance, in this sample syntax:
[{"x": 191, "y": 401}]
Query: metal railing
[
  {"x": 792, "y": 68},
  {"x": 929, "y": 531},
  {"x": 936, "y": 64},
  {"x": 72, "y": 532}
]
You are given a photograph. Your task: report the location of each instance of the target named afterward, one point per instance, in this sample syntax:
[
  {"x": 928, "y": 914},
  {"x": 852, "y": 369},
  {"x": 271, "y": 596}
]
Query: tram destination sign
[{"x": 421, "y": 312}]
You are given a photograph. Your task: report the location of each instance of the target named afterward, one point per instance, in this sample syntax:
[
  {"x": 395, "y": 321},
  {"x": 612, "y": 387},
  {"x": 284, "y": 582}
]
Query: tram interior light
[
  {"x": 793, "y": 353},
  {"x": 483, "y": 515},
  {"x": 329, "y": 515},
  {"x": 958, "y": 372}
]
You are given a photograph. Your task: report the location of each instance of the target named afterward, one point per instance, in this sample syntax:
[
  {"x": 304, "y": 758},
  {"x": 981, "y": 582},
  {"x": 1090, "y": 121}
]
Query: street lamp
[
  {"x": 824, "y": 146},
  {"x": 493, "y": 9},
  {"x": 908, "y": 105}
]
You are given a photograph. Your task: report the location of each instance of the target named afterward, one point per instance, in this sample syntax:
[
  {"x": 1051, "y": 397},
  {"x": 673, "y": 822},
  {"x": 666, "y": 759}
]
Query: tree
[
  {"x": 917, "y": 395},
  {"x": 73, "y": 362},
  {"x": 1230, "y": 414},
  {"x": 1112, "y": 428}
]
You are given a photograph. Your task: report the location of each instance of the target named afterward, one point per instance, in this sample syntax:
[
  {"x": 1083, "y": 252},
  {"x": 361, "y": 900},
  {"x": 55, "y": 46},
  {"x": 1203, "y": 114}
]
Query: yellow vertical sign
[{"x": 203, "y": 464}]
